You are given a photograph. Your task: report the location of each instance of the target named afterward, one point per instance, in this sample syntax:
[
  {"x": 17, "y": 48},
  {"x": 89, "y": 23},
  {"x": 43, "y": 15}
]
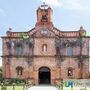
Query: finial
[
  {"x": 81, "y": 28},
  {"x": 43, "y": 3},
  {"x": 82, "y": 31},
  {"x": 10, "y": 29}
]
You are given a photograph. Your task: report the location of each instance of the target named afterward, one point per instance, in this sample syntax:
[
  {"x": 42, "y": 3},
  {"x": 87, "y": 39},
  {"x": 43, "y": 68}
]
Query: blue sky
[{"x": 20, "y": 15}]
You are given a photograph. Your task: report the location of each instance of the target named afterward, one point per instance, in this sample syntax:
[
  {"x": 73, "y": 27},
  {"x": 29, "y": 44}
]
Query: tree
[{"x": 1, "y": 73}]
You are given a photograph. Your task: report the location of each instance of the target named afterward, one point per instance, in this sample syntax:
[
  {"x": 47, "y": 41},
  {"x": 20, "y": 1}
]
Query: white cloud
[
  {"x": 68, "y": 4},
  {"x": 2, "y": 12},
  {"x": 75, "y": 5}
]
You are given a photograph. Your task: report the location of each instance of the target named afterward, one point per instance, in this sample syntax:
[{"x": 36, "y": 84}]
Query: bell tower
[{"x": 44, "y": 13}]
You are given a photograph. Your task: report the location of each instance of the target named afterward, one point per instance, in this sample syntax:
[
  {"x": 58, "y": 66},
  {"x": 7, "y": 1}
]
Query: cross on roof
[{"x": 44, "y": 5}]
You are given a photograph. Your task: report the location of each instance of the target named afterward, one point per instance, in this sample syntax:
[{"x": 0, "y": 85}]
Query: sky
[{"x": 20, "y": 15}]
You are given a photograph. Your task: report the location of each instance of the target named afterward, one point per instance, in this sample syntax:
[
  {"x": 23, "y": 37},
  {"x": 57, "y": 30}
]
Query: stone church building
[{"x": 45, "y": 54}]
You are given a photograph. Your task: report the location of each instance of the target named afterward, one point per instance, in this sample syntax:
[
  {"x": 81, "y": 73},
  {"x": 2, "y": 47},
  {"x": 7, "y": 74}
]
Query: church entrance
[{"x": 44, "y": 75}]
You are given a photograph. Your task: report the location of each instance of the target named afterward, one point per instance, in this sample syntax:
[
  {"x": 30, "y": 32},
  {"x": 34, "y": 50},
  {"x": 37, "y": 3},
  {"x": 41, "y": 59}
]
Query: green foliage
[
  {"x": 24, "y": 35},
  {"x": 14, "y": 82},
  {"x": 1, "y": 74},
  {"x": 1, "y": 68},
  {"x": 19, "y": 81},
  {"x": 89, "y": 75}
]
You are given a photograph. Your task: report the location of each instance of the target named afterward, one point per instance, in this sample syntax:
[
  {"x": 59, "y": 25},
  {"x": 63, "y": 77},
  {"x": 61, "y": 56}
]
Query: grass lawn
[{"x": 15, "y": 87}]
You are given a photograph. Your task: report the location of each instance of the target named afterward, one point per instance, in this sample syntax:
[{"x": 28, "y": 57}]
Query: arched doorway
[{"x": 44, "y": 75}]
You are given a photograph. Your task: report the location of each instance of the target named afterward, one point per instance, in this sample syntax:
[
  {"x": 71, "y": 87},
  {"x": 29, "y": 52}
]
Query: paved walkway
[{"x": 43, "y": 87}]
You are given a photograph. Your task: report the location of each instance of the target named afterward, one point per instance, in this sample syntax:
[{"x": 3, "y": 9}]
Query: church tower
[{"x": 44, "y": 13}]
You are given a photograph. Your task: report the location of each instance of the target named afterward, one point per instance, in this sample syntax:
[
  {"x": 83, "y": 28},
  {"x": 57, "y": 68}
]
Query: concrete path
[{"x": 43, "y": 87}]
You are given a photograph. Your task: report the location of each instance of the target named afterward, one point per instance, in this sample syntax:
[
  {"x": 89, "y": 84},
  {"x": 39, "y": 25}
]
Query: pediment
[{"x": 44, "y": 32}]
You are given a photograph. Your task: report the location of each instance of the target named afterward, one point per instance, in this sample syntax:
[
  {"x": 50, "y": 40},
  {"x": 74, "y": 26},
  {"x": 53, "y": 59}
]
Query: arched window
[
  {"x": 69, "y": 51},
  {"x": 44, "y": 48},
  {"x": 19, "y": 70},
  {"x": 19, "y": 51},
  {"x": 18, "y": 48},
  {"x": 57, "y": 50},
  {"x": 70, "y": 72}
]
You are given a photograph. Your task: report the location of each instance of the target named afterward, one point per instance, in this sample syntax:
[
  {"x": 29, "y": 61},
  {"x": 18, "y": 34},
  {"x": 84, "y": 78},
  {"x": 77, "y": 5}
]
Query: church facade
[{"x": 45, "y": 54}]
